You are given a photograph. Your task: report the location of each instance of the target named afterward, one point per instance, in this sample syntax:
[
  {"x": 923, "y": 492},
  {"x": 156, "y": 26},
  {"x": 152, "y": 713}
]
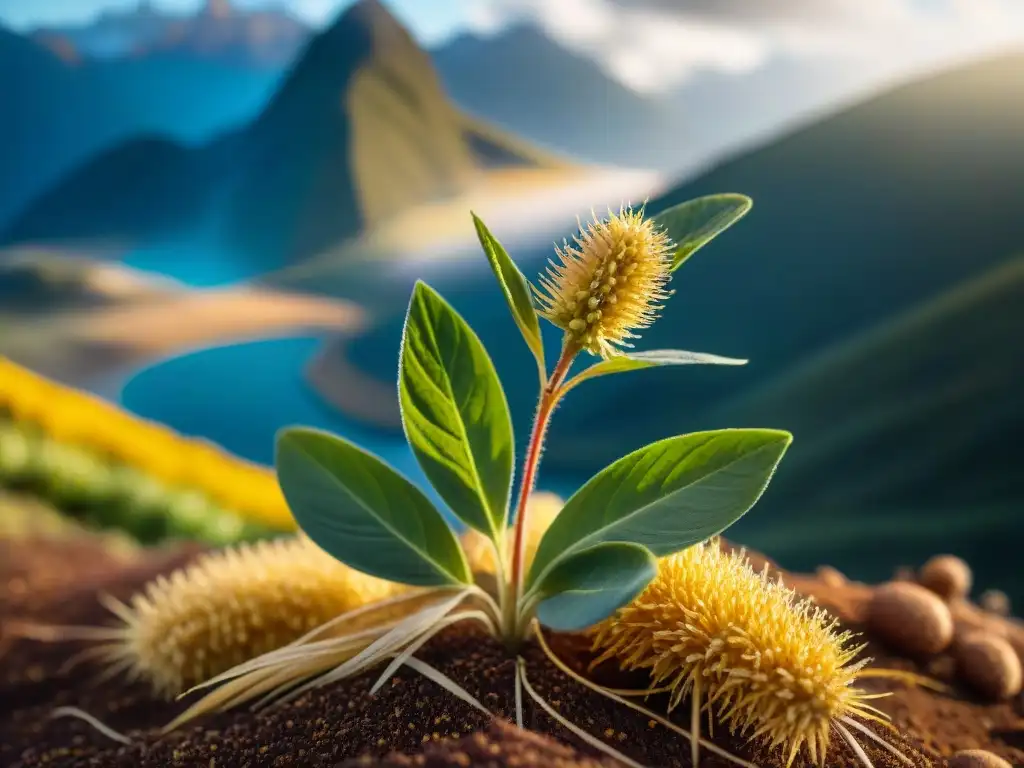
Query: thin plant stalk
[{"x": 548, "y": 399}]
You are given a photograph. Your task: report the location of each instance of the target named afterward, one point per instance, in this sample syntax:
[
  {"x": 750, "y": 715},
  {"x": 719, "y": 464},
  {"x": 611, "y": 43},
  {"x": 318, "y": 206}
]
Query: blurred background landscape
[{"x": 212, "y": 214}]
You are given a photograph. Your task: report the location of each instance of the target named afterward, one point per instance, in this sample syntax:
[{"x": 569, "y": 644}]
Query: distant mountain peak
[
  {"x": 363, "y": 97},
  {"x": 220, "y": 31},
  {"x": 220, "y": 9},
  {"x": 371, "y": 20}
]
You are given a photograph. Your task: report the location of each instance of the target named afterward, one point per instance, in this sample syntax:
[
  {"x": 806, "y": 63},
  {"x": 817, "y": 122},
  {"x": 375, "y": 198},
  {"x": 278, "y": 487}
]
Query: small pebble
[
  {"x": 990, "y": 665},
  {"x": 1015, "y": 637},
  {"x": 977, "y": 758},
  {"x": 967, "y": 619},
  {"x": 995, "y": 601},
  {"x": 947, "y": 576},
  {"x": 910, "y": 618},
  {"x": 904, "y": 573},
  {"x": 831, "y": 577}
]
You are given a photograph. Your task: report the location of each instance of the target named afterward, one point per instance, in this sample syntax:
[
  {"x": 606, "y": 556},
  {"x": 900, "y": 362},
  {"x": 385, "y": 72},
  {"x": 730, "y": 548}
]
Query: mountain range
[
  {"x": 523, "y": 80},
  {"x": 220, "y": 31},
  {"x": 359, "y": 129},
  {"x": 572, "y": 107},
  {"x": 60, "y": 112},
  {"x": 188, "y": 78}
]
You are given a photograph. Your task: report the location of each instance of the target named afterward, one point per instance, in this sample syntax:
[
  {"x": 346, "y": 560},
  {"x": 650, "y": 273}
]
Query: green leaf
[
  {"x": 635, "y": 361},
  {"x": 667, "y": 496},
  {"x": 695, "y": 223},
  {"x": 454, "y": 412},
  {"x": 516, "y": 289},
  {"x": 364, "y": 513},
  {"x": 591, "y": 584}
]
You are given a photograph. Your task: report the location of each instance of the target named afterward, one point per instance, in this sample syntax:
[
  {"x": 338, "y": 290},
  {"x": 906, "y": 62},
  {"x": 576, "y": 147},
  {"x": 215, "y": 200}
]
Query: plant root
[
  {"x": 660, "y": 719},
  {"x": 81, "y": 714}
]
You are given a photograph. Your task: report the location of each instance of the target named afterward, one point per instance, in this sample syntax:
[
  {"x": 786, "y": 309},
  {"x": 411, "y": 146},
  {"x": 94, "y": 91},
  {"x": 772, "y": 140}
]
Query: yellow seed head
[
  {"x": 609, "y": 283},
  {"x": 772, "y": 666},
  {"x": 233, "y": 605}
]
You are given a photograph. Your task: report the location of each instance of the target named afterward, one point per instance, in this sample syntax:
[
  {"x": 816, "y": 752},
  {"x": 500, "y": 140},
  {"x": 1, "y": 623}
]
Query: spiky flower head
[
  {"x": 771, "y": 666},
  {"x": 608, "y": 284},
  {"x": 231, "y": 606}
]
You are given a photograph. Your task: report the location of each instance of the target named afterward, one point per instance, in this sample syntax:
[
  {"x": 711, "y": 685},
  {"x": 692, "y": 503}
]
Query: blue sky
[{"x": 431, "y": 20}]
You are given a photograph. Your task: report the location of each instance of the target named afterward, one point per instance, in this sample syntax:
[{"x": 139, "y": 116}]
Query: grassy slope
[
  {"x": 856, "y": 219},
  {"x": 875, "y": 289},
  {"x": 906, "y": 438}
]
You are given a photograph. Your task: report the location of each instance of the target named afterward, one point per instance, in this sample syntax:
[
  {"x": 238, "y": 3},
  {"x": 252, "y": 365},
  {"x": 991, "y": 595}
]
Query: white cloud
[
  {"x": 651, "y": 54},
  {"x": 654, "y": 45}
]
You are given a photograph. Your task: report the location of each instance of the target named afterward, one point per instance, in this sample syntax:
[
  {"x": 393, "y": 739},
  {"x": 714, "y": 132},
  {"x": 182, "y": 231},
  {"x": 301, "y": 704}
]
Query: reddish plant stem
[{"x": 548, "y": 399}]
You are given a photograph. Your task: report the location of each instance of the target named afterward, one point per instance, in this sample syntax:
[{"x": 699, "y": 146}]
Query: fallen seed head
[
  {"x": 232, "y": 605},
  {"x": 773, "y": 666}
]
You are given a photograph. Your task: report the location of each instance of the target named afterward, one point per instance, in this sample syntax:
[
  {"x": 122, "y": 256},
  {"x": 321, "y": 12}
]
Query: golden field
[{"x": 69, "y": 417}]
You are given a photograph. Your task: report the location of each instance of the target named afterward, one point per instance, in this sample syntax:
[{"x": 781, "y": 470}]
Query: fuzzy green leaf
[
  {"x": 667, "y": 496},
  {"x": 454, "y": 412},
  {"x": 635, "y": 361},
  {"x": 591, "y": 584},
  {"x": 694, "y": 223},
  {"x": 516, "y": 289},
  {"x": 364, "y": 513}
]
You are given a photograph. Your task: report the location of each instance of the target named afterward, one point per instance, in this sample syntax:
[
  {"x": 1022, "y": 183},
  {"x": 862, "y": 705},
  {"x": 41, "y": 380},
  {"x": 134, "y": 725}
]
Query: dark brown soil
[
  {"x": 502, "y": 745},
  {"x": 336, "y": 725}
]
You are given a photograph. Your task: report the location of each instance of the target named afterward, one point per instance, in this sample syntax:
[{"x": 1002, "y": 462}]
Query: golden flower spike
[{"x": 609, "y": 283}]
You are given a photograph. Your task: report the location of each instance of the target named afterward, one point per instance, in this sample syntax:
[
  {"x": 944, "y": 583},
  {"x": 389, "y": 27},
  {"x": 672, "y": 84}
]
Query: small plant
[{"x": 602, "y": 548}]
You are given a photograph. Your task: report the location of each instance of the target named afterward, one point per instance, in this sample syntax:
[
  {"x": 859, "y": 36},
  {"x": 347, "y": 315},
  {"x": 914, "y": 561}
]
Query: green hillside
[
  {"x": 856, "y": 220},
  {"x": 908, "y": 437},
  {"x": 875, "y": 290}
]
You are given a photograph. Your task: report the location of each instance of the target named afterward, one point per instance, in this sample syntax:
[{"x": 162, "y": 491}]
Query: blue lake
[
  {"x": 240, "y": 395},
  {"x": 192, "y": 262}
]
